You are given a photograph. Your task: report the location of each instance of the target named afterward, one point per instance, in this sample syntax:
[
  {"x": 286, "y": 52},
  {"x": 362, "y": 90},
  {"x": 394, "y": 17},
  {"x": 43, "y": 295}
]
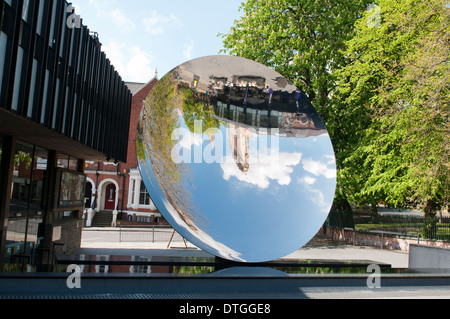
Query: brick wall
[
  {"x": 348, "y": 236},
  {"x": 136, "y": 108},
  {"x": 110, "y": 171}
]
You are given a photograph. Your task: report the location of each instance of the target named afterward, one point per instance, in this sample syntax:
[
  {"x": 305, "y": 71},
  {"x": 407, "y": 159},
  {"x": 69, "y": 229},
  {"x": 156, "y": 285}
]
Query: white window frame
[{"x": 134, "y": 194}]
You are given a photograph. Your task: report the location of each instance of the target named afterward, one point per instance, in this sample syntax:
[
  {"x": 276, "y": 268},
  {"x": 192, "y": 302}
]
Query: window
[
  {"x": 73, "y": 163},
  {"x": 133, "y": 191},
  {"x": 18, "y": 77},
  {"x": 144, "y": 198},
  {"x": 138, "y": 196},
  {"x": 63, "y": 33},
  {"x": 3, "y": 45},
  {"x": 25, "y": 208},
  {"x": 25, "y": 10},
  {"x": 143, "y": 219},
  {"x": 52, "y": 28},
  {"x": 44, "y": 102},
  {"x": 40, "y": 18},
  {"x": 63, "y": 161},
  {"x": 1, "y": 145},
  {"x": 141, "y": 269},
  {"x": 32, "y": 88}
]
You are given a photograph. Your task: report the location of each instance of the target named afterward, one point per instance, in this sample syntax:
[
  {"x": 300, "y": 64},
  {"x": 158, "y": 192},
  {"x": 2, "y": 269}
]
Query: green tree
[
  {"x": 305, "y": 41},
  {"x": 301, "y": 39},
  {"x": 398, "y": 74}
]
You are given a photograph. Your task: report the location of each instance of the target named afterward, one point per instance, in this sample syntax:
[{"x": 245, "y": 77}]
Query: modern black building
[{"x": 61, "y": 103}]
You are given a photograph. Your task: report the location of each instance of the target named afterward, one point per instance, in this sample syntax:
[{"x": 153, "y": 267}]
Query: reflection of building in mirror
[
  {"x": 239, "y": 143},
  {"x": 284, "y": 124}
]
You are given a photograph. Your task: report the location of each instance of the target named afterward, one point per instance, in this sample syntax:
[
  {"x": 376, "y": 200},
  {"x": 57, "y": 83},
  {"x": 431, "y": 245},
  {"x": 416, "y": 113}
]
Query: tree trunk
[{"x": 341, "y": 214}]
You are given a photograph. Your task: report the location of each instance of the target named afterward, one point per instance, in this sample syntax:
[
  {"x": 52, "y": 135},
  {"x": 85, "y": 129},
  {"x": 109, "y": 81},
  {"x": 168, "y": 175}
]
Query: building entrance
[
  {"x": 88, "y": 195},
  {"x": 110, "y": 197}
]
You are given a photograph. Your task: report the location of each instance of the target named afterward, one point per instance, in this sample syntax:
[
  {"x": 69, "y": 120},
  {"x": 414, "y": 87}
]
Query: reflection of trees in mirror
[
  {"x": 193, "y": 269},
  {"x": 196, "y": 108},
  {"x": 159, "y": 119}
]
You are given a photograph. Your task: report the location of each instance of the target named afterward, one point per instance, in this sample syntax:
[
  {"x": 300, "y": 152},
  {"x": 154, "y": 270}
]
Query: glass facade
[
  {"x": 3, "y": 39},
  {"x": 60, "y": 97},
  {"x": 1, "y": 146},
  {"x": 58, "y": 76},
  {"x": 26, "y": 209}
]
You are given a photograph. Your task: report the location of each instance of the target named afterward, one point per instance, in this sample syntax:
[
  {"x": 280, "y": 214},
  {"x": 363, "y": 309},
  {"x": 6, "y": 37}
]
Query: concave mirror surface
[{"x": 236, "y": 159}]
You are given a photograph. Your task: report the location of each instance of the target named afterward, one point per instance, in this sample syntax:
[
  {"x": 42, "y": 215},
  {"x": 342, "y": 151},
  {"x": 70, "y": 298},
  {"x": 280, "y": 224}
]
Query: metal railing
[
  {"x": 427, "y": 228},
  {"x": 381, "y": 234},
  {"x": 150, "y": 235}
]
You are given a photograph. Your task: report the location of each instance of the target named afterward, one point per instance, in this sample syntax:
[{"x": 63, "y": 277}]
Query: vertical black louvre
[{"x": 54, "y": 73}]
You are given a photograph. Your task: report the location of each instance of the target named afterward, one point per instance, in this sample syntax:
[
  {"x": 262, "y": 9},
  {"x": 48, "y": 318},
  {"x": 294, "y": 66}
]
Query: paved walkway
[
  {"x": 319, "y": 248},
  {"x": 227, "y": 286}
]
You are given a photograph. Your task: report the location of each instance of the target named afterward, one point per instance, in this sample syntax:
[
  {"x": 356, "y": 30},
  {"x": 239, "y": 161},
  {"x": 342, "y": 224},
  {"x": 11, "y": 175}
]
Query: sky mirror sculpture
[{"x": 236, "y": 159}]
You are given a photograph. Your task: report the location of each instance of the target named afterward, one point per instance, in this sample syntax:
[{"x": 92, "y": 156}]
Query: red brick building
[{"x": 115, "y": 191}]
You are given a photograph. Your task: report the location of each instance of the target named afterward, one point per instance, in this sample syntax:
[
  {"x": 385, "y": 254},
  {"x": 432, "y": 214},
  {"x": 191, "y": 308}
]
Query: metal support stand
[{"x": 171, "y": 238}]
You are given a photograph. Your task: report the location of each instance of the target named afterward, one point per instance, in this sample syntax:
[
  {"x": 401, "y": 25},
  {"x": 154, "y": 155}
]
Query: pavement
[
  {"x": 320, "y": 248},
  {"x": 238, "y": 283}
]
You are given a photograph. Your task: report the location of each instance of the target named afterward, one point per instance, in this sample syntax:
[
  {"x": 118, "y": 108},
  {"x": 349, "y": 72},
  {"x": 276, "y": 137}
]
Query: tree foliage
[
  {"x": 399, "y": 74},
  {"x": 301, "y": 39},
  {"x": 304, "y": 40},
  {"x": 379, "y": 77}
]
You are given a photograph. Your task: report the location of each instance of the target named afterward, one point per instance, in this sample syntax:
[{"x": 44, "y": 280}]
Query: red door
[{"x": 110, "y": 197}]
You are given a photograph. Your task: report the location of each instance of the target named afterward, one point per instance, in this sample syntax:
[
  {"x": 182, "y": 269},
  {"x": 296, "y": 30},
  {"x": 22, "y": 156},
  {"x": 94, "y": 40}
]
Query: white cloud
[
  {"x": 319, "y": 199},
  {"x": 157, "y": 23},
  {"x": 115, "y": 53},
  {"x": 187, "y": 138},
  {"x": 316, "y": 195},
  {"x": 265, "y": 170},
  {"x": 120, "y": 20},
  {"x": 188, "y": 48},
  {"x": 108, "y": 10},
  {"x": 317, "y": 168},
  {"x": 132, "y": 63},
  {"x": 138, "y": 68},
  {"x": 307, "y": 180}
]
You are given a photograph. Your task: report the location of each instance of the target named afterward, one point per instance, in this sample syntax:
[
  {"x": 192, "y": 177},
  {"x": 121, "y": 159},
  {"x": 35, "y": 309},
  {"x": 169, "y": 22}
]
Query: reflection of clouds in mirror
[
  {"x": 318, "y": 197},
  {"x": 307, "y": 180},
  {"x": 318, "y": 168},
  {"x": 273, "y": 166},
  {"x": 187, "y": 138}
]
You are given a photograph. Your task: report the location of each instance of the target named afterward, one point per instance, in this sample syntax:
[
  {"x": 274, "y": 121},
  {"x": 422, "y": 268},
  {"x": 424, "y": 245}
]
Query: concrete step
[{"x": 102, "y": 219}]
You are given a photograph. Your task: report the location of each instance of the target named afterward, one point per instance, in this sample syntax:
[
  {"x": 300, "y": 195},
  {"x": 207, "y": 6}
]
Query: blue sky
[{"x": 141, "y": 36}]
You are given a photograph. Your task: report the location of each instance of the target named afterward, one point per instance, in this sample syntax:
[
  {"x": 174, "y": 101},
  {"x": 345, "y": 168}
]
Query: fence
[
  {"x": 150, "y": 235},
  {"x": 428, "y": 228}
]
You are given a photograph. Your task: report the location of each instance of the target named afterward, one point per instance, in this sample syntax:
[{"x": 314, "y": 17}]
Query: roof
[{"x": 134, "y": 86}]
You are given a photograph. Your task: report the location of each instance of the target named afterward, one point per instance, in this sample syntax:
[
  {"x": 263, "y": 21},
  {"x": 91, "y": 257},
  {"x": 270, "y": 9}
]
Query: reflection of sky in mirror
[{"x": 278, "y": 204}]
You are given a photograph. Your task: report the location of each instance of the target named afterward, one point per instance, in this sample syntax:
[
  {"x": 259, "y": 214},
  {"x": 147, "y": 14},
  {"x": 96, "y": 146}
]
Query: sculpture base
[{"x": 206, "y": 265}]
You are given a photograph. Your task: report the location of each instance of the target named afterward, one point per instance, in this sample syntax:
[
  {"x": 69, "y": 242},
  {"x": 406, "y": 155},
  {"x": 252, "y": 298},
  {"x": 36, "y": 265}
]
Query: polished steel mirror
[{"x": 236, "y": 159}]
